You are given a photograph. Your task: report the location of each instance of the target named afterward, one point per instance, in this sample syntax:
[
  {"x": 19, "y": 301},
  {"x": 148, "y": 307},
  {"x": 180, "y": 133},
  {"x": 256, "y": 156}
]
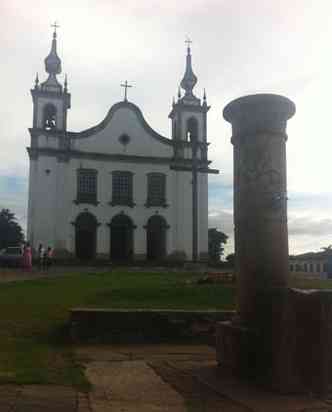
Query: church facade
[{"x": 118, "y": 190}]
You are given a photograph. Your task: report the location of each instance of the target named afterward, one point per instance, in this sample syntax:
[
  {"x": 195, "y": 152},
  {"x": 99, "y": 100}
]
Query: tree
[
  {"x": 11, "y": 233},
  {"x": 231, "y": 259},
  {"x": 327, "y": 249},
  {"x": 216, "y": 241}
]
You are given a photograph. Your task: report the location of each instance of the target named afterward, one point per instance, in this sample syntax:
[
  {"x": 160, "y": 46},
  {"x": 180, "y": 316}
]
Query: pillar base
[{"x": 289, "y": 351}]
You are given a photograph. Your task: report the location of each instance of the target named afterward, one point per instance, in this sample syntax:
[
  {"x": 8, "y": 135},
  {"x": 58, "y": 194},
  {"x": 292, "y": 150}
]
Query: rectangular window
[
  {"x": 318, "y": 267},
  {"x": 306, "y": 267},
  {"x": 156, "y": 190},
  {"x": 86, "y": 186},
  {"x": 122, "y": 188},
  {"x": 311, "y": 267}
]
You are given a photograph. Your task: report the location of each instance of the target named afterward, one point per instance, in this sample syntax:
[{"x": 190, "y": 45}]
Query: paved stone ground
[
  {"x": 140, "y": 378},
  {"x": 153, "y": 378},
  {"x": 176, "y": 378}
]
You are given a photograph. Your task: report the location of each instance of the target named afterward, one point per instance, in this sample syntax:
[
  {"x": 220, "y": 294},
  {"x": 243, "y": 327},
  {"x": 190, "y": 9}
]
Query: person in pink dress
[{"x": 27, "y": 257}]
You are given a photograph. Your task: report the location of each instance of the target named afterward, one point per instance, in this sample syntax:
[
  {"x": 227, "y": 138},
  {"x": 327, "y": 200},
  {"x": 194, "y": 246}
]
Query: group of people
[{"x": 44, "y": 256}]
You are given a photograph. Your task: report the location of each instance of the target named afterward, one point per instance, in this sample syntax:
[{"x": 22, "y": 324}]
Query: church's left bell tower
[
  {"x": 51, "y": 100},
  {"x": 48, "y": 191}
]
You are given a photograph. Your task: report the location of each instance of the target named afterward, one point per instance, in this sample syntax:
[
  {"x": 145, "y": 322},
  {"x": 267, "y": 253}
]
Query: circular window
[{"x": 124, "y": 139}]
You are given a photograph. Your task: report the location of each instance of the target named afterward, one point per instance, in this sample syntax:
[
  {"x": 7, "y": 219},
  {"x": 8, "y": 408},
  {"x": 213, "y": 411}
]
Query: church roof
[{"x": 103, "y": 124}]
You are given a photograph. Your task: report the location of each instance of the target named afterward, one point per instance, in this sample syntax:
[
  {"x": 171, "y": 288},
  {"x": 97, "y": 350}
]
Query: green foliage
[
  {"x": 216, "y": 241},
  {"x": 11, "y": 233}
]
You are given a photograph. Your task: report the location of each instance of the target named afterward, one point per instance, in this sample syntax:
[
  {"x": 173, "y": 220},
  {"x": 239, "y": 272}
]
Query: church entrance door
[
  {"x": 122, "y": 238},
  {"x": 156, "y": 238},
  {"x": 85, "y": 236}
]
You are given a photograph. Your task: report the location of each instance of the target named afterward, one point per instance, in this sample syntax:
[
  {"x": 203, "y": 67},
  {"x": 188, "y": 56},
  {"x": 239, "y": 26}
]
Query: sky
[{"x": 239, "y": 47}]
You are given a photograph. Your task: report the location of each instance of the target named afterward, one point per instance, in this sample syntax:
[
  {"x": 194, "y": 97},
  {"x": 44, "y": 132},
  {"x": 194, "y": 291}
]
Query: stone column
[{"x": 260, "y": 195}]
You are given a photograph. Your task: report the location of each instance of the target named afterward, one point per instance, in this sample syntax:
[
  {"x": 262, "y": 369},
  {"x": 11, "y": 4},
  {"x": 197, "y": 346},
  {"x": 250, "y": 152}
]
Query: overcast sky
[{"x": 239, "y": 47}]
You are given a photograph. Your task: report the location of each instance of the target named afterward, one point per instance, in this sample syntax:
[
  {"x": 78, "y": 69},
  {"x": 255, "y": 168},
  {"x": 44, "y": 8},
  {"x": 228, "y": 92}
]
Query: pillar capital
[{"x": 259, "y": 113}]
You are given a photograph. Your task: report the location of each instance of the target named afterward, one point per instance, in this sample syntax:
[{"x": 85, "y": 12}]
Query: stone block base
[
  {"x": 235, "y": 348},
  {"x": 177, "y": 256},
  {"x": 139, "y": 257},
  {"x": 288, "y": 348}
]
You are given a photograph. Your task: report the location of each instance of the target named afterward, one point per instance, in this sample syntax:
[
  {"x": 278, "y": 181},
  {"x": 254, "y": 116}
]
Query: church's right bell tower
[
  {"x": 189, "y": 136},
  {"x": 189, "y": 115}
]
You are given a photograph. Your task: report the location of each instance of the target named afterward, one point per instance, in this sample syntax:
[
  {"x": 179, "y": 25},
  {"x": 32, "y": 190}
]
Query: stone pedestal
[{"x": 290, "y": 350}]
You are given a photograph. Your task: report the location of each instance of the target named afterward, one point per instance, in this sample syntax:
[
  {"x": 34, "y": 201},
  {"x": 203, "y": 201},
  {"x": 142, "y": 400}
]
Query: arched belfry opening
[
  {"x": 192, "y": 130},
  {"x": 85, "y": 236},
  {"x": 122, "y": 238},
  {"x": 156, "y": 238},
  {"x": 49, "y": 117}
]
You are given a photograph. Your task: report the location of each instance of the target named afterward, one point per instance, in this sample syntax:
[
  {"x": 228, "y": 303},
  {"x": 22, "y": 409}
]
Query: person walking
[
  {"x": 27, "y": 257},
  {"x": 48, "y": 257},
  {"x": 41, "y": 257}
]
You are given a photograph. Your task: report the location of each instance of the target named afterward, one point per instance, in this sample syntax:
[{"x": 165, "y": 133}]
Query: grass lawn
[{"x": 34, "y": 314}]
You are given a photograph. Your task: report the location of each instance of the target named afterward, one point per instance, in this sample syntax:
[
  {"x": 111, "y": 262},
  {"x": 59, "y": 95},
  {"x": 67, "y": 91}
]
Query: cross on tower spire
[
  {"x": 126, "y": 85},
  {"x": 188, "y": 42},
  {"x": 55, "y": 26}
]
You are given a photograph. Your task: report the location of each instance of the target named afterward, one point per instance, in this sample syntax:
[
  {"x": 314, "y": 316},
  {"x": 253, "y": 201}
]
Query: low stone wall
[{"x": 146, "y": 326}]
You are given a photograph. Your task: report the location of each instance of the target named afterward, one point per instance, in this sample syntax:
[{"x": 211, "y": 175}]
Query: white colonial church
[{"x": 118, "y": 190}]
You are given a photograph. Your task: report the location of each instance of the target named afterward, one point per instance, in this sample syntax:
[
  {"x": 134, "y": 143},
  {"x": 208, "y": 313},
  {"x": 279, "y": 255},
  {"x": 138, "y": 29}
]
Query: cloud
[
  {"x": 239, "y": 47},
  {"x": 310, "y": 226}
]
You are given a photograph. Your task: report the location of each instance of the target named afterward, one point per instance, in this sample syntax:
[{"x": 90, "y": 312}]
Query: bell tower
[
  {"x": 189, "y": 115},
  {"x": 51, "y": 100}
]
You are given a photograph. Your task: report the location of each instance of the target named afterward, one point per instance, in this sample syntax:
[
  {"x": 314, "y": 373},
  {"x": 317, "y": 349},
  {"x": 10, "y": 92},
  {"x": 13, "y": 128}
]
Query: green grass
[{"x": 34, "y": 315}]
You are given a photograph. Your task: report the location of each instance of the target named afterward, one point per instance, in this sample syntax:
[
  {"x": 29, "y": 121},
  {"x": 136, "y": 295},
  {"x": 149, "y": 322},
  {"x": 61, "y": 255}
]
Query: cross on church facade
[{"x": 125, "y": 85}]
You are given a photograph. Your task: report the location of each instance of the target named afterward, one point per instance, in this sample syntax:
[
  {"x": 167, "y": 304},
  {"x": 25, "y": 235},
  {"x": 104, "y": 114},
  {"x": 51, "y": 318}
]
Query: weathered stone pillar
[
  {"x": 260, "y": 196},
  {"x": 250, "y": 344}
]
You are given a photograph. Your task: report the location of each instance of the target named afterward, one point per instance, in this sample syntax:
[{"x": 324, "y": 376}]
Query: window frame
[
  {"x": 88, "y": 197},
  {"x": 117, "y": 199},
  {"x": 161, "y": 202}
]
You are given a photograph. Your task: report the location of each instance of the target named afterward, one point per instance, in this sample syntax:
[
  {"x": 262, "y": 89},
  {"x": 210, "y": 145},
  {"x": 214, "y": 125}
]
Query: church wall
[
  {"x": 55, "y": 212},
  {"x": 124, "y": 121},
  {"x": 203, "y": 215},
  {"x": 55, "y": 209},
  {"x": 43, "y": 202},
  {"x": 139, "y": 213},
  {"x": 62, "y": 199},
  {"x": 183, "y": 213},
  {"x": 49, "y": 142}
]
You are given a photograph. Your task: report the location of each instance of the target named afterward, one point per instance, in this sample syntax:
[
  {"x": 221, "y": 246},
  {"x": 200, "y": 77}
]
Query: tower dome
[
  {"x": 189, "y": 79},
  {"x": 53, "y": 61}
]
